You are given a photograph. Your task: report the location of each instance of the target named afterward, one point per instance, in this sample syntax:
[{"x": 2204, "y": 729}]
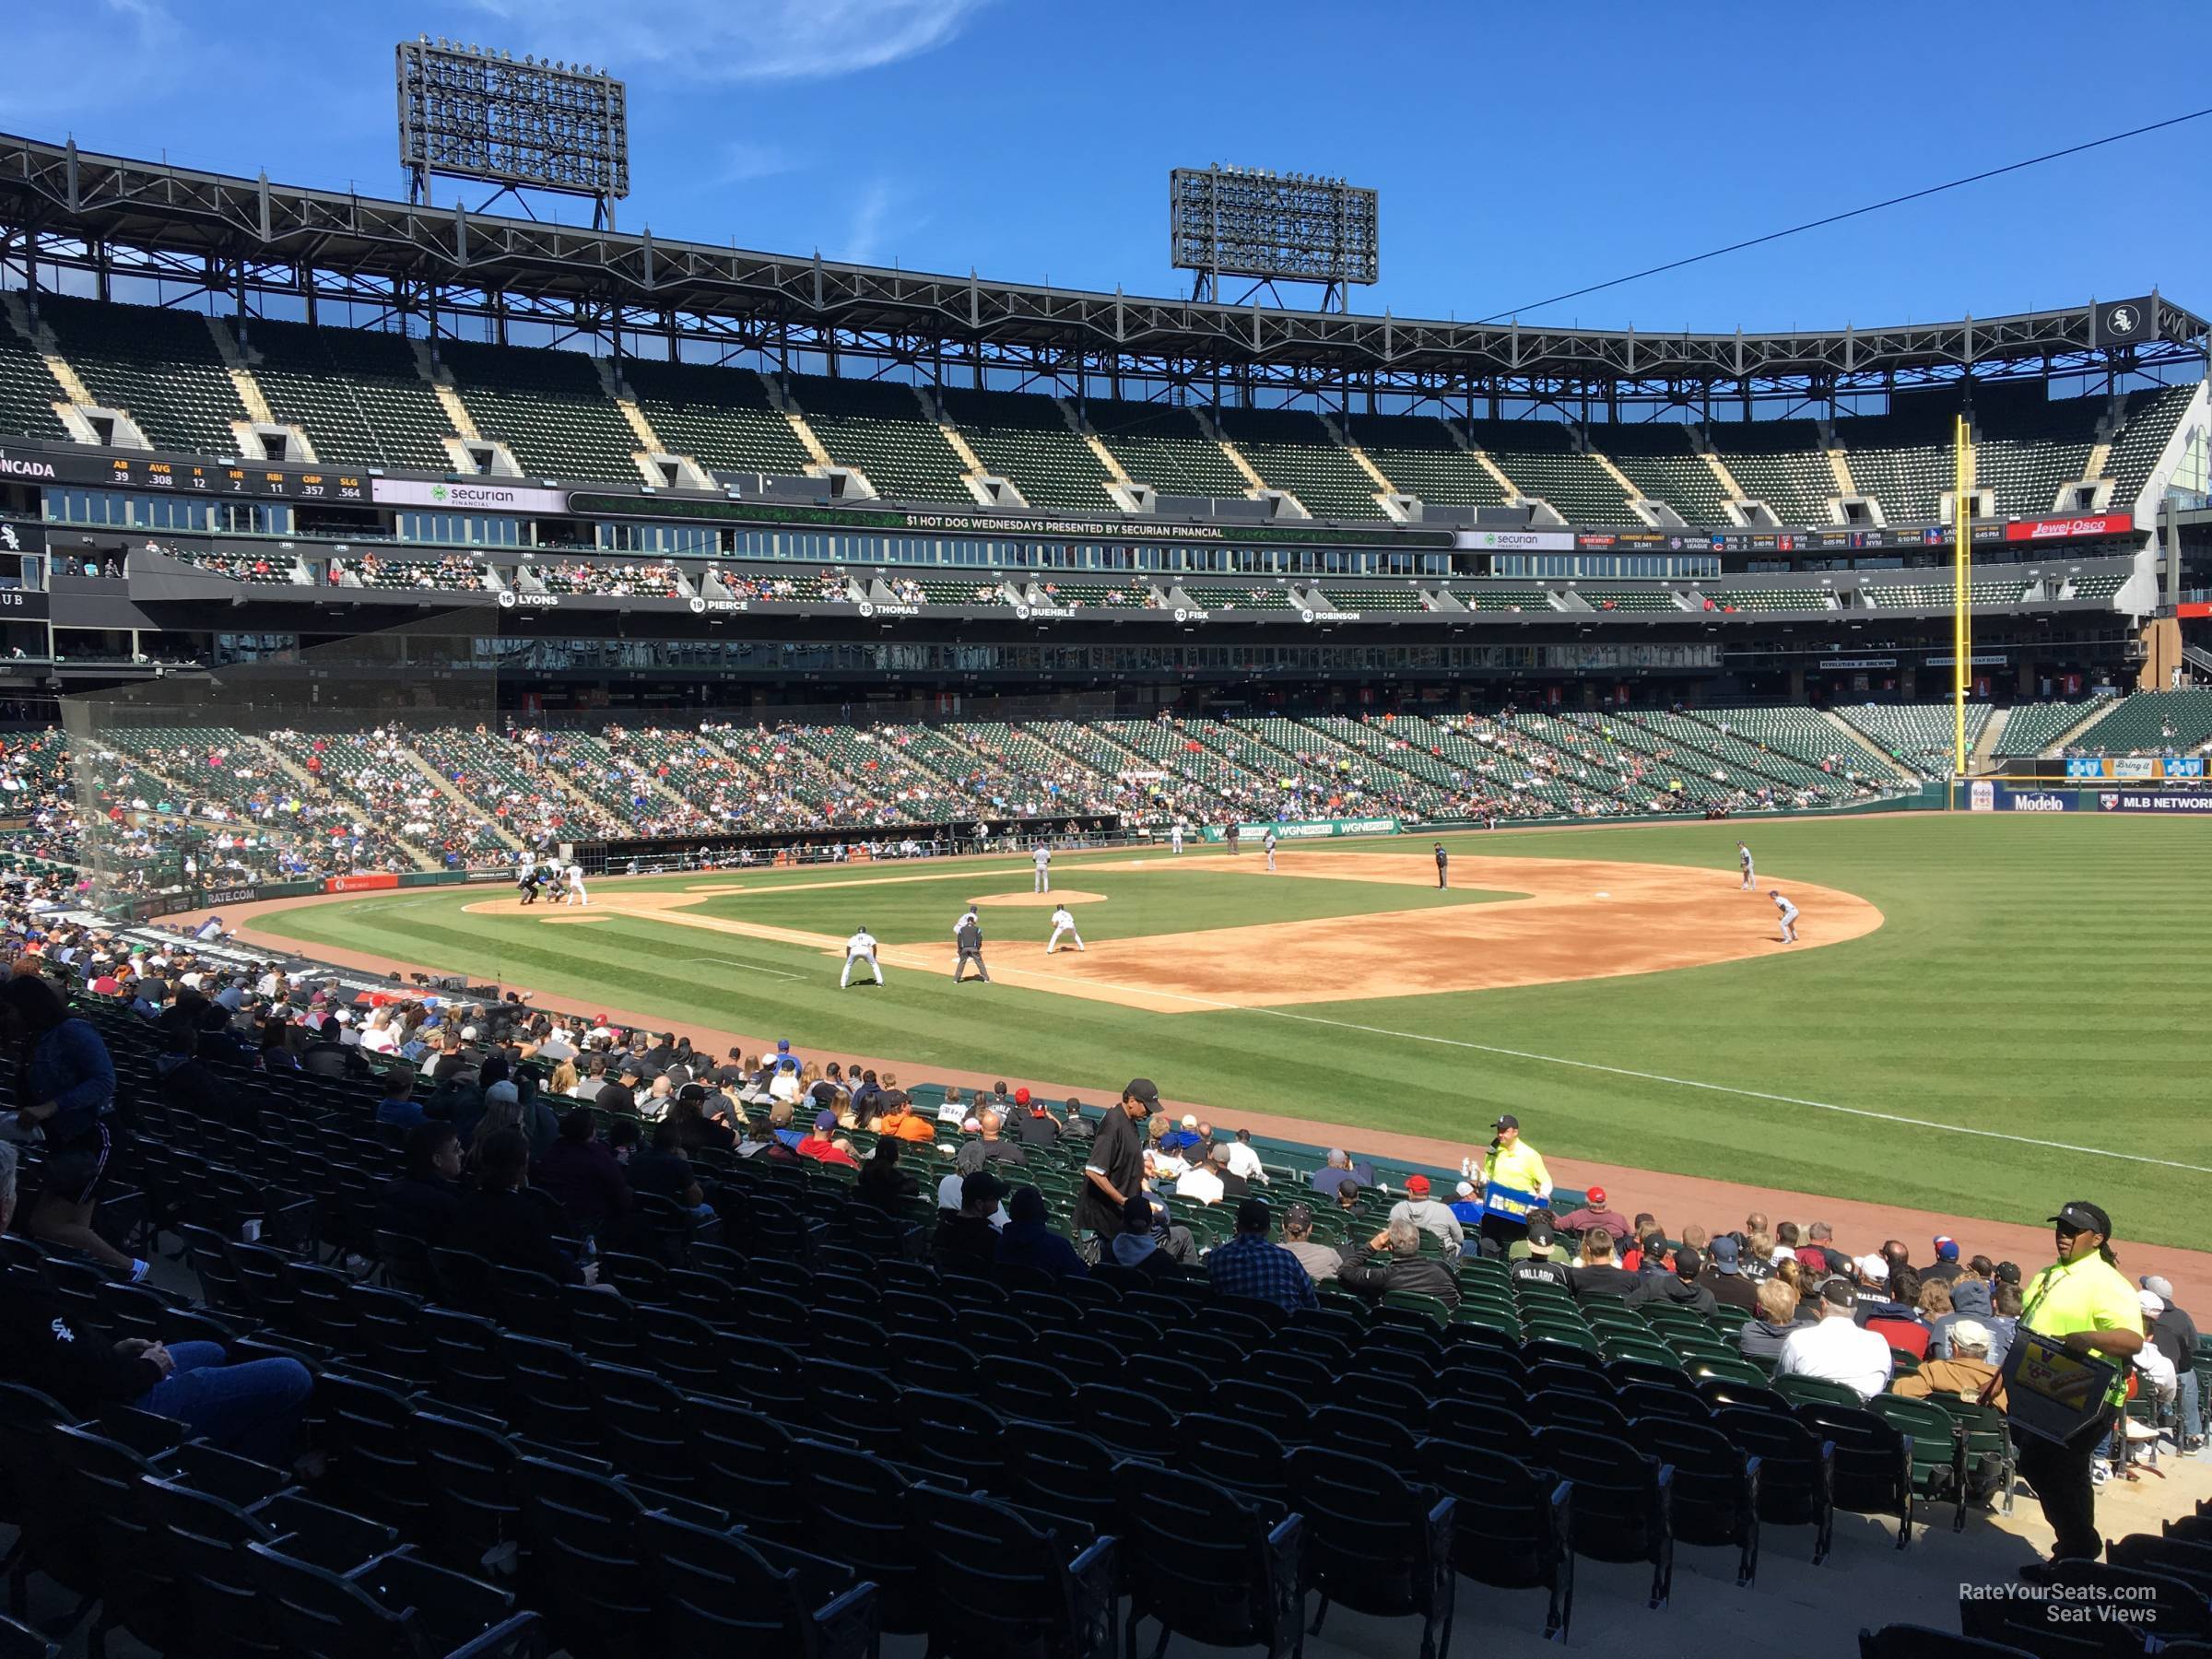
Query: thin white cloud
[
  {"x": 871, "y": 213},
  {"x": 722, "y": 41},
  {"x": 741, "y": 160}
]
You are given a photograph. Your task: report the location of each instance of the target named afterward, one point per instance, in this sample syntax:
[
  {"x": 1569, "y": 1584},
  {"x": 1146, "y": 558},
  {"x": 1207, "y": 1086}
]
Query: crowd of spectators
[
  {"x": 601, "y": 579},
  {"x": 548, "y": 1141},
  {"x": 299, "y": 802}
]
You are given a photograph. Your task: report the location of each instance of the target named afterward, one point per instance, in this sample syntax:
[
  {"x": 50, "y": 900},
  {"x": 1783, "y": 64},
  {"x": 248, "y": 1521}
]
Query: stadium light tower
[
  {"x": 1241, "y": 221},
  {"x": 474, "y": 113}
]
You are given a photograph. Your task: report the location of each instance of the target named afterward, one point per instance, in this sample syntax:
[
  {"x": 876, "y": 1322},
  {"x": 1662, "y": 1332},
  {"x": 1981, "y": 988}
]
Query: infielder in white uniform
[
  {"x": 1789, "y": 915},
  {"x": 1042, "y": 858},
  {"x": 576, "y": 893},
  {"x": 1175, "y": 840},
  {"x": 1743, "y": 856},
  {"x": 1063, "y": 922},
  {"x": 860, "y": 947},
  {"x": 1269, "y": 845}
]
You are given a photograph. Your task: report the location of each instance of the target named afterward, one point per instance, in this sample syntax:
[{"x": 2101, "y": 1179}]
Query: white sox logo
[{"x": 2122, "y": 320}]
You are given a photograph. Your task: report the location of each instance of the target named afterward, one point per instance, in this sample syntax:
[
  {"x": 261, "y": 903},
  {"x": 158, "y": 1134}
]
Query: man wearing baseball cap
[
  {"x": 1595, "y": 1212},
  {"x": 1515, "y": 1166},
  {"x": 1946, "y": 1267},
  {"x": 1433, "y": 1218},
  {"x": 1113, "y": 1173},
  {"x": 2173, "y": 1333},
  {"x": 2083, "y": 1299}
]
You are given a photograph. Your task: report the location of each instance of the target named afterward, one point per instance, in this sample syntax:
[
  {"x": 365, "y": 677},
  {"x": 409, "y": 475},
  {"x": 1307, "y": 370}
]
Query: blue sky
[{"x": 1521, "y": 152}]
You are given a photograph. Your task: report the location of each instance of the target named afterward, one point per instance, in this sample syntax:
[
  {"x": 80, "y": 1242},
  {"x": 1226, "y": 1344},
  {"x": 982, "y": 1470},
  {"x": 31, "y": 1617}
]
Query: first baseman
[
  {"x": 860, "y": 947},
  {"x": 1789, "y": 915},
  {"x": 1063, "y": 922},
  {"x": 1042, "y": 858},
  {"x": 1175, "y": 839},
  {"x": 1743, "y": 857},
  {"x": 1269, "y": 845}
]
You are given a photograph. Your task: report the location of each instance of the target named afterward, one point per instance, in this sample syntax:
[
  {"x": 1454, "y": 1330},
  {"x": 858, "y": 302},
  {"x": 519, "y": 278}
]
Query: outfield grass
[{"x": 2034, "y": 977}]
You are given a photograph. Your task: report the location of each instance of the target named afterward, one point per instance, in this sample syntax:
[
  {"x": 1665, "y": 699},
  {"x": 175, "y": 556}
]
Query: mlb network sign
[{"x": 2123, "y": 800}]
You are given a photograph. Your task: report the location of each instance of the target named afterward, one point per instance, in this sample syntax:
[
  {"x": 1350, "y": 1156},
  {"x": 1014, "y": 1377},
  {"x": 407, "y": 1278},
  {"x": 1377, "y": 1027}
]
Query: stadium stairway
[
  {"x": 1985, "y": 745},
  {"x": 445, "y": 787},
  {"x": 1856, "y": 738}
]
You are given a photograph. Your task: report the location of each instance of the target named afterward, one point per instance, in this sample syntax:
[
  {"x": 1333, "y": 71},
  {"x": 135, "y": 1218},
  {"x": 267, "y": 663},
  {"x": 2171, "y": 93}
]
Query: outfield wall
[{"x": 1992, "y": 794}]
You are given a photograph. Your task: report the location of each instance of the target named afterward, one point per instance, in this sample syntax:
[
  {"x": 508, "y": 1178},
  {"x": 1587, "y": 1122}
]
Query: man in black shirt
[
  {"x": 665, "y": 1171},
  {"x": 1678, "y": 1288},
  {"x": 1114, "y": 1171},
  {"x": 424, "y": 1200},
  {"x": 968, "y": 1239},
  {"x": 2173, "y": 1333},
  {"x": 997, "y": 1148},
  {"x": 1725, "y": 1277},
  {"x": 1600, "y": 1274},
  {"x": 191, "y": 1086},
  {"x": 1539, "y": 1268}
]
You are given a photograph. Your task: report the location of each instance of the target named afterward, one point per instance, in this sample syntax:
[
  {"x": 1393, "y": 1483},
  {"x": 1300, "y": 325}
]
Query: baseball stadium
[{"x": 725, "y": 952}]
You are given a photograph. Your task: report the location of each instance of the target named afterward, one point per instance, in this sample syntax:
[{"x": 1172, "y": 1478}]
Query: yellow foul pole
[{"x": 1962, "y": 633}]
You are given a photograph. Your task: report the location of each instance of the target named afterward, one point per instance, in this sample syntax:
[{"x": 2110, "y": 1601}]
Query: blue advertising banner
[
  {"x": 1514, "y": 1206},
  {"x": 2085, "y": 766},
  {"x": 2185, "y": 766}
]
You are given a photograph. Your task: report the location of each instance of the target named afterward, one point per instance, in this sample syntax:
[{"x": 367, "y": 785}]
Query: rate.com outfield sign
[{"x": 466, "y": 497}]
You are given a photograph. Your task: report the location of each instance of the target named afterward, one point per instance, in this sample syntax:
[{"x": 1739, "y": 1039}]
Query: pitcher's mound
[{"x": 1041, "y": 900}]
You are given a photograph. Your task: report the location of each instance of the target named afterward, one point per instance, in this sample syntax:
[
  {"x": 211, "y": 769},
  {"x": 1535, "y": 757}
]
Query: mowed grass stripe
[{"x": 2034, "y": 976}]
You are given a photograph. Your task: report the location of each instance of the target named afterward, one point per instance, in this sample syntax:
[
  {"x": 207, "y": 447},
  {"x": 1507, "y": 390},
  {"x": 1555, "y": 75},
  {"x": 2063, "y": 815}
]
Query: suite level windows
[
  {"x": 461, "y": 529},
  {"x": 68, "y": 506}
]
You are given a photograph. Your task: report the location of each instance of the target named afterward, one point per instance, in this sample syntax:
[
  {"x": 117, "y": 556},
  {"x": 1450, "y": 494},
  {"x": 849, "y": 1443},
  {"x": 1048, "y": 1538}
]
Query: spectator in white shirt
[
  {"x": 1199, "y": 1182},
  {"x": 1243, "y": 1160},
  {"x": 1836, "y": 1348}
]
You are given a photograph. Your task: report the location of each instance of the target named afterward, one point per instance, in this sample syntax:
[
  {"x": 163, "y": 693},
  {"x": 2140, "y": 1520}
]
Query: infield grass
[{"x": 2038, "y": 978}]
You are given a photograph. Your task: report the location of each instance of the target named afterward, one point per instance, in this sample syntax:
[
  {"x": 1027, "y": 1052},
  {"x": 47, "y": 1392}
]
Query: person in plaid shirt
[{"x": 1249, "y": 1265}]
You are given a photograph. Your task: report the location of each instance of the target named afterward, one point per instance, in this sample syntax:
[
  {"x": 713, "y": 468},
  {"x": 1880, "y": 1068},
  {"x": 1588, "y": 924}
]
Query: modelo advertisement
[{"x": 1987, "y": 795}]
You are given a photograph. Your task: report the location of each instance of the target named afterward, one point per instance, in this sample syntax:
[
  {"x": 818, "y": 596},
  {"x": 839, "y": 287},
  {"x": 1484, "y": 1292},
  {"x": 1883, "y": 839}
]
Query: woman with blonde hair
[
  {"x": 564, "y": 1079},
  {"x": 1761, "y": 1338}
]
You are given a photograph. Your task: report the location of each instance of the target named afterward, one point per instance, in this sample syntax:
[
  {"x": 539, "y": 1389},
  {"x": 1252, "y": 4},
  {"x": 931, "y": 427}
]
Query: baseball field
[{"x": 1982, "y": 1009}]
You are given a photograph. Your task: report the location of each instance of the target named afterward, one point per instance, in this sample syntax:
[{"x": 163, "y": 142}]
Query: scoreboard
[{"x": 192, "y": 478}]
